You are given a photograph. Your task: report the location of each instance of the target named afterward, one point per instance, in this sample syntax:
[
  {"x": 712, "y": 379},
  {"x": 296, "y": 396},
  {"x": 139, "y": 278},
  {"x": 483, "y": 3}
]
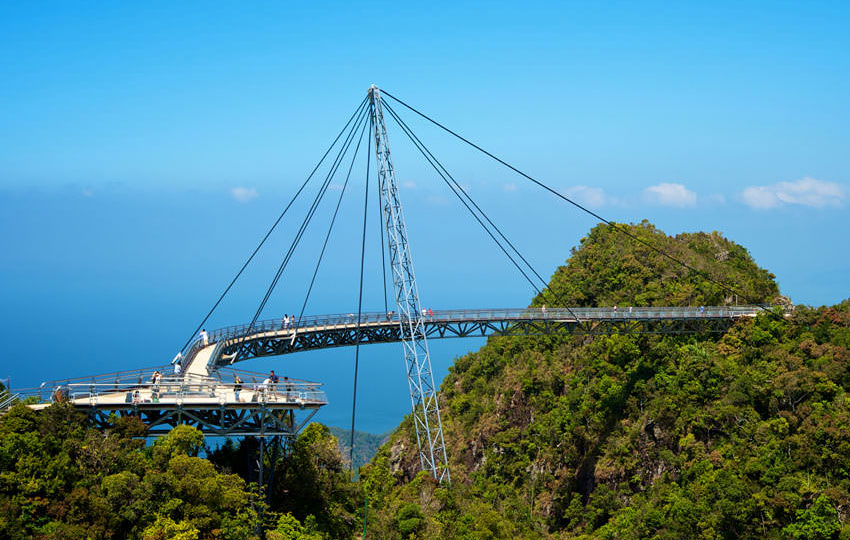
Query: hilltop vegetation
[
  {"x": 742, "y": 435},
  {"x": 609, "y": 268}
]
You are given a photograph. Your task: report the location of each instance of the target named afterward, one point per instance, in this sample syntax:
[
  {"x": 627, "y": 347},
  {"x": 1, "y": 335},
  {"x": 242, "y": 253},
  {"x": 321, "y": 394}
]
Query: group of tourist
[{"x": 287, "y": 321}]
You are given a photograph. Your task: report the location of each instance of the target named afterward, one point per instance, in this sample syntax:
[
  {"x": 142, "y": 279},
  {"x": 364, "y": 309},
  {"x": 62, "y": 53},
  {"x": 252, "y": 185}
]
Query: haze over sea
[{"x": 145, "y": 150}]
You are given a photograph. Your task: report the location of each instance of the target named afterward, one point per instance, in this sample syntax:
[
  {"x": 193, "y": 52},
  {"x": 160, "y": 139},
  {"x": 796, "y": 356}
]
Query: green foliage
[
  {"x": 409, "y": 519},
  {"x": 289, "y": 528},
  {"x": 313, "y": 483},
  {"x": 164, "y": 528},
  {"x": 609, "y": 268},
  {"x": 741, "y": 435},
  {"x": 182, "y": 440},
  {"x": 818, "y": 522},
  {"x": 60, "y": 480}
]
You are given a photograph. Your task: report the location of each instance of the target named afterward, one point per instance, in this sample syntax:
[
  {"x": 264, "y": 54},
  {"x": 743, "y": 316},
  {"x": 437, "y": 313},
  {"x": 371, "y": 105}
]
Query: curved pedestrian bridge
[
  {"x": 204, "y": 394},
  {"x": 277, "y": 336}
]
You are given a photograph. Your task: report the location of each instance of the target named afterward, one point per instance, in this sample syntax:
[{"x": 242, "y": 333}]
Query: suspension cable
[
  {"x": 360, "y": 299},
  {"x": 427, "y": 158},
  {"x": 311, "y": 212},
  {"x": 577, "y": 205},
  {"x": 457, "y": 187},
  {"x": 273, "y": 227},
  {"x": 333, "y": 220}
]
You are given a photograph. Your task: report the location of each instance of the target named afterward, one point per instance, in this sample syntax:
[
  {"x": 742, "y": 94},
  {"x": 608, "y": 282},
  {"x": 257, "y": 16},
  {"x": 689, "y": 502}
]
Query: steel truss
[
  {"x": 224, "y": 421},
  {"x": 417, "y": 360},
  {"x": 343, "y": 335}
]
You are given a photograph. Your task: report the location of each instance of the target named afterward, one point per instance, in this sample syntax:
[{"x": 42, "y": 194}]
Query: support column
[{"x": 423, "y": 394}]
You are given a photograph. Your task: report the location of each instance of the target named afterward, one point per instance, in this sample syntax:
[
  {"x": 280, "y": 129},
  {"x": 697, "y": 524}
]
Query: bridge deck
[{"x": 276, "y": 336}]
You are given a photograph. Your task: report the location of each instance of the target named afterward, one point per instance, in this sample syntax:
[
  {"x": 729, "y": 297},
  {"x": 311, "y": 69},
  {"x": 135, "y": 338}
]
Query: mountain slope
[
  {"x": 639, "y": 436},
  {"x": 365, "y": 444}
]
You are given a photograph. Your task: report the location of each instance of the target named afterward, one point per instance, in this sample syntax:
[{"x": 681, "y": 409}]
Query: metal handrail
[
  {"x": 180, "y": 388},
  {"x": 460, "y": 315},
  {"x": 141, "y": 378},
  {"x": 8, "y": 399}
]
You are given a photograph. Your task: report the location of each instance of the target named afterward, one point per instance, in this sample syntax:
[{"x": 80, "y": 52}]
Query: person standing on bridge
[
  {"x": 237, "y": 387},
  {"x": 178, "y": 367},
  {"x": 273, "y": 379},
  {"x": 205, "y": 337},
  {"x": 431, "y": 313},
  {"x": 157, "y": 376},
  {"x": 287, "y": 387}
]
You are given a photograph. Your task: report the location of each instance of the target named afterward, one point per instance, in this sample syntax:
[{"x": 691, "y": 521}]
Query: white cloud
[
  {"x": 510, "y": 188},
  {"x": 759, "y": 197},
  {"x": 668, "y": 194},
  {"x": 408, "y": 184},
  {"x": 88, "y": 192},
  {"x": 587, "y": 196},
  {"x": 805, "y": 191},
  {"x": 243, "y": 194}
]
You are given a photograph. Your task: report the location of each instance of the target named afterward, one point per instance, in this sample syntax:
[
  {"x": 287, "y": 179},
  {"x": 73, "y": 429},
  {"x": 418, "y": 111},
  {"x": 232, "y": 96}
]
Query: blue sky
[{"x": 144, "y": 150}]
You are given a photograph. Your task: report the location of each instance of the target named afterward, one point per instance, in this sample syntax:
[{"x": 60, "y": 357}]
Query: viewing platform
[{"x": 218, "y": 405}]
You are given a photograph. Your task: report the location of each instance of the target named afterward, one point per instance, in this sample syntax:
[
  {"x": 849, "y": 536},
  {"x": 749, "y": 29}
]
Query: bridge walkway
[{"x": 277, "y": 337}]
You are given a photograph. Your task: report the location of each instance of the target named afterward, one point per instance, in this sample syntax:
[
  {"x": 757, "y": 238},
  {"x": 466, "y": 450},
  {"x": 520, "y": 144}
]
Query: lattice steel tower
[{"x": 417, "y": 360}]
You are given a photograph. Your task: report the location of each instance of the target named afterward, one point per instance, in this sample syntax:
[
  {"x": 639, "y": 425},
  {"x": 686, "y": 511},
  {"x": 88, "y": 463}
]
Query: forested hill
[
  {"x": 610, "y": 268},
  {"x": 741, "y": 435}
]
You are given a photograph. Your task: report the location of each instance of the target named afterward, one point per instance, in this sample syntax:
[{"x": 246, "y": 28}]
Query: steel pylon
[{"x": 417, "y": 360}]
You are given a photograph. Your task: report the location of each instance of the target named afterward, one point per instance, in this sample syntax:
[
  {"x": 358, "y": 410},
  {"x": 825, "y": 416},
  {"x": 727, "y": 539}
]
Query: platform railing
[
  {"x": 178, "y": 391},
  {"x": 7, "y": 399},
  {"x": 158, "y": 380}
]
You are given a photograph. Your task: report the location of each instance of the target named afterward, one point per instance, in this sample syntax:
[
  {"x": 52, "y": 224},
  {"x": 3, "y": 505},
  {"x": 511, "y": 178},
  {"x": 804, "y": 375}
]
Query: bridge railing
[{"x": 460, "y": 315}]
